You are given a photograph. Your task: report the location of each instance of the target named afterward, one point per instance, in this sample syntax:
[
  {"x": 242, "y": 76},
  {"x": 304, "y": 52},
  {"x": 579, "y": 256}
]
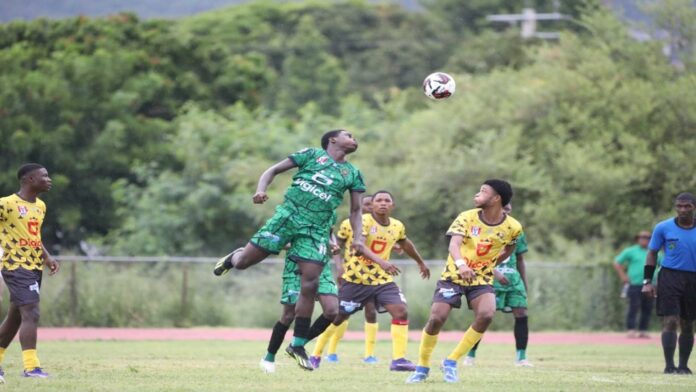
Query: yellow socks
[
  {"x": 427, "y": 345},
  {"x": 468, "y": 341},
  {"x": 2, "y": 354},
  {"x": 31, "y": 360},
  {"x": 370, "y": 338},
  {"x": 399, "y": 333},
  {"x": 323, "y": 339},
  {"x": 337, "y": 336}
]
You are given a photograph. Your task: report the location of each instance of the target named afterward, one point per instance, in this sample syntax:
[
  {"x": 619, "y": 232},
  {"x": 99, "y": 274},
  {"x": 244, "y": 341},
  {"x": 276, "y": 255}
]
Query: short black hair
[
  {"x": 27, "y": 168},
  {"x": 502, "y": 188},
  {"x": 686, "y": 196},
  {"x": 383, "y": 191},
  {"x": 329, "y": 135},
  {"x": 366, "y": 195}
]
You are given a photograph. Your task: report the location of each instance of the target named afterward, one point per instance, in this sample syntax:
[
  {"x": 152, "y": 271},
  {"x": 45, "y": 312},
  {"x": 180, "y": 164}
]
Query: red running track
[{"x": 241, "y": 334}]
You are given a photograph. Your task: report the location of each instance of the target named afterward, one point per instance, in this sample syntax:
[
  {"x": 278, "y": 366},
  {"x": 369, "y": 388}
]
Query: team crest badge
[
  {"x": 322, "y": 160},
  {"x": 22, "y": 211},
  {"x": 475, "y": 231},
  {"x": 373, "y": 230},
  {"x": 344, "y": 172}
]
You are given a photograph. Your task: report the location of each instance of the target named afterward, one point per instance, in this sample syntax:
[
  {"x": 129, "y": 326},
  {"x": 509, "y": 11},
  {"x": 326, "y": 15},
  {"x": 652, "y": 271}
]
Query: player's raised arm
[
  {"x": 410, "y": 249},
  {"x": 268, "y": 176}
]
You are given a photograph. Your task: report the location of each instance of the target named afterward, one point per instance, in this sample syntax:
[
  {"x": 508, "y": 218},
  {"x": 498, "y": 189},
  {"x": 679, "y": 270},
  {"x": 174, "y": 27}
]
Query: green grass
[{"x": 232, "y": 366}]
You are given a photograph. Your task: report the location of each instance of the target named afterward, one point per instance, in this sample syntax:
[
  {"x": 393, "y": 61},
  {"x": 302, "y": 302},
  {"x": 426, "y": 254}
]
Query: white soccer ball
[{"x": 438, "y": 85}]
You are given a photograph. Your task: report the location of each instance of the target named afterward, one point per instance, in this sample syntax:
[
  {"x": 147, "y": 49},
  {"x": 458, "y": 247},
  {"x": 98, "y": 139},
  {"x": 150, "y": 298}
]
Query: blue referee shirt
[{"x": 679, "y": 245}]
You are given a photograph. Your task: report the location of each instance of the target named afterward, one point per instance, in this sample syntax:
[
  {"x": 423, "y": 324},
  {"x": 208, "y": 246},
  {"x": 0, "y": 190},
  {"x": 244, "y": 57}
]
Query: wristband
[
  {"x": 459, "y": 263},
  {"x": 648, "y": 272}
]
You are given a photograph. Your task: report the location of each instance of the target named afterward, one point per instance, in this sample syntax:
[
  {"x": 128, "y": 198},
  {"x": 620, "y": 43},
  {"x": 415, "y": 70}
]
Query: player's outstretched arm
[
  {"x": 268, "y": 176},
  {"x": 410, "y": 248}
]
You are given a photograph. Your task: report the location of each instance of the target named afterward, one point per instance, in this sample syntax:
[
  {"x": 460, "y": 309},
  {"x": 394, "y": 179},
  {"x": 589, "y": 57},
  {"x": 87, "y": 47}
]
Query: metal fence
[{"x": 181, "y": 291}]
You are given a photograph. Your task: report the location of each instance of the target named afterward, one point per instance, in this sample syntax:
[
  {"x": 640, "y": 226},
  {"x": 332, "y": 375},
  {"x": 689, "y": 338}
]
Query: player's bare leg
[
  {"x": 27, "y": 338},
  {"x": 241, "y": 258},
  {"x": 10, "y": 326},
  {"x": 8, "y": 330}
]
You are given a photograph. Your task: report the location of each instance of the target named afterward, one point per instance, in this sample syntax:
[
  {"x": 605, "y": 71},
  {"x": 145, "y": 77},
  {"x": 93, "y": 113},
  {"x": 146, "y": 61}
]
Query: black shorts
[
  {"x": 352, "y": 296},
  {"x": 451, "y": 293},
  {"x": 24, "y": 285},
  {"x": 676, "y": 293}
]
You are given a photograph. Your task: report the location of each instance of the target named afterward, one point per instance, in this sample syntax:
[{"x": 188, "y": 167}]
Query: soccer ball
[{"x": 438, "y": 85}]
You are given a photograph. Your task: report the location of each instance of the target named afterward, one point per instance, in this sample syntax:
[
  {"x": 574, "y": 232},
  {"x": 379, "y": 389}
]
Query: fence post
[
  {"x": 184, "y": 295},
  {"x": 73, "y": 293}
]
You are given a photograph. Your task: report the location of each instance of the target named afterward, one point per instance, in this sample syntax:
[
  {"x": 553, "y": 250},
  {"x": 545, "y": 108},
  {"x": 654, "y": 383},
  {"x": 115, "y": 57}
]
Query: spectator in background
[{"x": 629, "y": 265}]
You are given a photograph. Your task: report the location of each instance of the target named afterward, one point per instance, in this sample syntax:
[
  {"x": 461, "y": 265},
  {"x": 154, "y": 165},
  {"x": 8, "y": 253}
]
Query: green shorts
[
  {"x": 507, "y": 299},
  {"x": 308, "y": 240},
  {"x": 290, "y": 289}
]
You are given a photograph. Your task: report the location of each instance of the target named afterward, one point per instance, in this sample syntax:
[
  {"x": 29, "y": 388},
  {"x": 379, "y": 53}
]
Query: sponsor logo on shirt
[
  {"x": 30, "y": 242},
  {"x": 314, "y": 189},
  {"x": 322, "y": 160}
]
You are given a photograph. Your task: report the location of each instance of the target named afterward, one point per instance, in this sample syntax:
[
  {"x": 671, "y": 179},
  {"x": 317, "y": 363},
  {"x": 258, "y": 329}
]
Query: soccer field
[{"x": 233, "y": 366}]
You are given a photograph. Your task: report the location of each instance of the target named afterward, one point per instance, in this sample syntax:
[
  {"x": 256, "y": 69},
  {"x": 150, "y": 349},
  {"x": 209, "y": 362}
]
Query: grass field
[{"x": 233, "y": 366}]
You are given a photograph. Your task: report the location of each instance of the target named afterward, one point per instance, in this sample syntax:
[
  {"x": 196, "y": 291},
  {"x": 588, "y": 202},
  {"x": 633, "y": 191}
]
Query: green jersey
[
  {"x": 633, "y": 258},
  {"x": 509, "y": 267},
  {"x": 318, "y": 186}
]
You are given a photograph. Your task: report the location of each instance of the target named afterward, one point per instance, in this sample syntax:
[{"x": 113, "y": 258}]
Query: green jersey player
[
  {"x": 304, "y": 219},
  {"x": 511, "y": 296}
]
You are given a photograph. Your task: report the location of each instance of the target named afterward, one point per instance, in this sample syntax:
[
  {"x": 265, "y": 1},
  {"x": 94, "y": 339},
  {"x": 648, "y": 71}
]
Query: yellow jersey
[
  {"x": 380, "y": 239},
  {"x": 20, "y": 233},
  {"x": 481, "y": 245}
]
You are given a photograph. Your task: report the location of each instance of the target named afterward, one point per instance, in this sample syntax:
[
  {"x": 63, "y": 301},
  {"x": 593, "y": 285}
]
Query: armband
[
  {"x": 648, "y": 272},
  {"x": 459, "y": 263}
]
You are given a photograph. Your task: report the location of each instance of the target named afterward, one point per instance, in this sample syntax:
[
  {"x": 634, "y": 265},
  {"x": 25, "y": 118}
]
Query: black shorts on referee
[{"x": 676, "y": 293}]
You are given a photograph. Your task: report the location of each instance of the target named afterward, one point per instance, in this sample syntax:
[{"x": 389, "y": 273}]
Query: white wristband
[{"x": 459, "y": 262}]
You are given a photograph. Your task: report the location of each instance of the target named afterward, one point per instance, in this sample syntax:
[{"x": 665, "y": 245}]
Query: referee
[{"x": 676, "y": 282}]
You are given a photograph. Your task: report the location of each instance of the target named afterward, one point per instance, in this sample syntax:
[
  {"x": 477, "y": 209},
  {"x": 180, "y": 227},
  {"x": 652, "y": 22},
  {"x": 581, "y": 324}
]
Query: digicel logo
[{"x": 29, "y": 242}]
